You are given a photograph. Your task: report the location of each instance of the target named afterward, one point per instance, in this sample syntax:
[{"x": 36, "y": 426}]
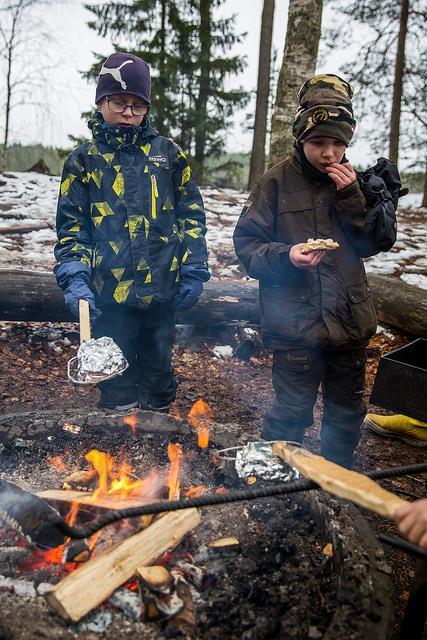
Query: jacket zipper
[{"x": 154, "y": 196}]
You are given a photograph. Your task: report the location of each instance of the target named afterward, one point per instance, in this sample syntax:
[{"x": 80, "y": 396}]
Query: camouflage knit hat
[{"x": 325, "y": 109}]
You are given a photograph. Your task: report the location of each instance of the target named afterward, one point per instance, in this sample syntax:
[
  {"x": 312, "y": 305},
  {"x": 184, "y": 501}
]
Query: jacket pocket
[
  {"x": 362, "y": 308},
  {"x": 295, "y": 201},
  {"x": 160, "y": 201},
  {"x": 282, "y": 309}
]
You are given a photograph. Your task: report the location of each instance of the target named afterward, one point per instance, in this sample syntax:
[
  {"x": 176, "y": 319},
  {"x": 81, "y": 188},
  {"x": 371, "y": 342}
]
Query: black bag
[{"x": 382, "y": 188}]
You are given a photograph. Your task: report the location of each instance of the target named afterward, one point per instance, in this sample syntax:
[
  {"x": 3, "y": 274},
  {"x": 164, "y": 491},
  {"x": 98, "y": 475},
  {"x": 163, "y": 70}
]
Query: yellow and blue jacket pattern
[{"x": 130, "y": 210}]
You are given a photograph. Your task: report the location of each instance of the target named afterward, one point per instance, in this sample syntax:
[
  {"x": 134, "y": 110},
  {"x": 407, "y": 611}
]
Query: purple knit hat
[{"x": 124, "y": 73}]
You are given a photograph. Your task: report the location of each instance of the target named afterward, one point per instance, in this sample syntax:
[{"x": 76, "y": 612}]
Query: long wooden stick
[
  {"x": 84, "y": 318},
  {"x": 88, "y": 586},
  {"x": 339, "y": 481}
]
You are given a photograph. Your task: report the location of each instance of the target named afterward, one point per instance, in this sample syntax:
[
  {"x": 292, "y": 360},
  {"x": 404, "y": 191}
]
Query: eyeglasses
[{"x": 117, "y": 106}]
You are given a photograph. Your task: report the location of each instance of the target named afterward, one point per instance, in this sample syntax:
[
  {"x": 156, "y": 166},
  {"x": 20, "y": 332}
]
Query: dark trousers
[
  {"x": 297, "y": 374},
  {"x": 146, "y": 339}
]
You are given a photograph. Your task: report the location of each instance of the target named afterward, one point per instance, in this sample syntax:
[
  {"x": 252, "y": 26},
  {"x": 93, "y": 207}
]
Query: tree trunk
[
  {"x": 424, "y": 202},
  {"x": 204, "y": 83},
  {"x": 299, "y": 63},
  {"x": 257, "y": 167},
  {"x": 399, "y": 70},
  {"x": 34, "y": 296},
  {"x": 9, "y": 57},
  {"x": 162, "y": 65}
]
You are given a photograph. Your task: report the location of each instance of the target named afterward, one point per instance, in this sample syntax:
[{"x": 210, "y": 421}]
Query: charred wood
[{"x": 69, "y": 423}]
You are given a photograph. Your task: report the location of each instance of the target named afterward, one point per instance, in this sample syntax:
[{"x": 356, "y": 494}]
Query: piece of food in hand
[{"x": 319, "y": 244}]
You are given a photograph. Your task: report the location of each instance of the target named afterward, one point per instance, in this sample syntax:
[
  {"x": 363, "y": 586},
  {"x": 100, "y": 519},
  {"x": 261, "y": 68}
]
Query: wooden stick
[
  {"x": 339, "y": 481},
  {"x": 91, "y": 584},
  {"x": 86, "y": 498},
  {"x": 84, "y": 321}
]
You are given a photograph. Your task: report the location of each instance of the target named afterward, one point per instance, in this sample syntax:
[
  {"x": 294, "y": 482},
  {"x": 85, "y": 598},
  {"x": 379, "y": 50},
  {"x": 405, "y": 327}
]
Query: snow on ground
[{"x": 30, "y": 198}]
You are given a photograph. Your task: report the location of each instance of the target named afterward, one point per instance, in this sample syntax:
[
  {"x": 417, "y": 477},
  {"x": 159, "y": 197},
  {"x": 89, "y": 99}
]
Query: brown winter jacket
[{"x": 330, "y": 306}]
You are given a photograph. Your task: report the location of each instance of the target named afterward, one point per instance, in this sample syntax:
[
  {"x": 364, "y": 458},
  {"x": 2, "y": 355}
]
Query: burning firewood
[
  {"x": 191, "y": 572},
  {"x": 167, "y": 596},
  {"x": 101, "y": 502},
  {"x": 221, "y": 543},
  {"x": 77, "y": 551},
  {"x": 155, "y": 578},
  {"x": 160, "y": 606},
  {"x": 91, "y": 584},
  {"x": 185, "y": 619},
  {"x": 82, "y": 480}
]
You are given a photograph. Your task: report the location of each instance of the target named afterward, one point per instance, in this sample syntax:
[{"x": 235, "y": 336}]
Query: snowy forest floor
[{"x": 33, "y": 357}]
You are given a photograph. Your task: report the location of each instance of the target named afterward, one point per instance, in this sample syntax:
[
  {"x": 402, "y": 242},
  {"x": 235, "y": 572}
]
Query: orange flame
[
  {"x": 40, "y": 559},
  {"x": 200, "y": 417},
  {"x": 72, "y": 514},
  {"x": 175, "y": 456},
  {"x": 195, "y": 491},
  {"x": 103, "y": 465},
  {"x": 118, "y": 483},
  {"x": 131, "y": 421}
]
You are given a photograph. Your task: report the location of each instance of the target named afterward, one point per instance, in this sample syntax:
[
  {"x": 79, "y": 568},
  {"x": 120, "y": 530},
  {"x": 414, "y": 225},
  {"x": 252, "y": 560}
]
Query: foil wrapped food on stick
[
  {"x": 257, "y": 459},
  {"x": 97, "y": 359}
]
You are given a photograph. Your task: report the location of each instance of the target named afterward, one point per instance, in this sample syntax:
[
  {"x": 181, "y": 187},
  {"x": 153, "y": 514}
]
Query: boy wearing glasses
[{"x": 131, "y": 227}]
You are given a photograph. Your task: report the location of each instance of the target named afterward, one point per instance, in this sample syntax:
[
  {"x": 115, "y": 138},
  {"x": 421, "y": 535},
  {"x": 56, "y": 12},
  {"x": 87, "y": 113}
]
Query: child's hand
[
  {"x": 342, "y": 174},
  {"x": 302, "y": 260},
  {"x": 412, "y": 522}
]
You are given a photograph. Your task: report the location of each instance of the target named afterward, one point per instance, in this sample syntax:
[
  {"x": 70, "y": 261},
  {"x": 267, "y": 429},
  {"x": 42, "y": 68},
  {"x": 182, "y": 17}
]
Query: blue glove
[
  {"x": 191, "y": 286},
  {"x": 189, "y": 291},
  {"x": 74, "y": 278}
]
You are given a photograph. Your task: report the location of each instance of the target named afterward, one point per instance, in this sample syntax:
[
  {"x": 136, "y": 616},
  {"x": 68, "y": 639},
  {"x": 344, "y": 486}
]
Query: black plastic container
[{"x": 401, "y": 381}]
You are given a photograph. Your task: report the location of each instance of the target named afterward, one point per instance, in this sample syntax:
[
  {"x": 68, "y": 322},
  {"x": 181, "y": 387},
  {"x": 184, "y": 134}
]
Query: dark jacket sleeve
[
  {"x": 363, "y": 219},
  {"x": 73, "y": 224},
  {"x": 262, "y": 257},
  {"x": 189, "y": 211}
]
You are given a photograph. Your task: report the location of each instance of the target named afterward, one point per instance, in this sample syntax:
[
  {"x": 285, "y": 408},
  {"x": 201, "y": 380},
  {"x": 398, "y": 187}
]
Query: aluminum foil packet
[
  {"x": 257, "y": 460},
  {"x": 100, "y": 357}
]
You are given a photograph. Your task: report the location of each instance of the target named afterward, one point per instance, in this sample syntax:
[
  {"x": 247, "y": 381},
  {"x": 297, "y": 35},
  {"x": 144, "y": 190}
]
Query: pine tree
[
  {"x": 257, "y": 165},
  {"x": 211, "y": 106}
]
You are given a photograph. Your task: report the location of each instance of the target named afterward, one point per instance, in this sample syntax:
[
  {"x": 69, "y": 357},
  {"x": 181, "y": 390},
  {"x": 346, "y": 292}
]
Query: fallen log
[
  {"x": 23, "y": 228},
  {"x": 84, "y": 421},
  {"x": 34, "y": 296},
  {"x": 91, "y": 584}
]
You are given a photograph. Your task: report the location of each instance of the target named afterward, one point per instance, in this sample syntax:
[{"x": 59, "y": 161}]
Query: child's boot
[{"x": 399, "y": 426}]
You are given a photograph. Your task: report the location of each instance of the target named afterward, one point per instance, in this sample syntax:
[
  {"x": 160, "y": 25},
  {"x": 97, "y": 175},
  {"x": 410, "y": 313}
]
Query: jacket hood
[{"x": 118, "y": 136}]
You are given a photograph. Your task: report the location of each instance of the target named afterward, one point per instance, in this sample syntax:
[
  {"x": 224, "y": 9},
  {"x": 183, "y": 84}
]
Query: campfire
[
  {"x": 121, "y": 556},
  {"x": 219, "y": 573}
]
